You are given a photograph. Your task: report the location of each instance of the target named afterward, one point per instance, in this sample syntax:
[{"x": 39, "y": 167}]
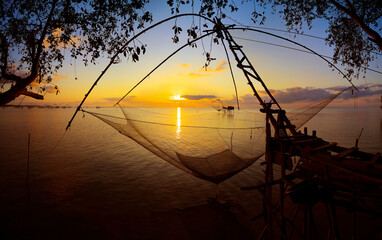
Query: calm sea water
[{"x": 95, "y": 173}]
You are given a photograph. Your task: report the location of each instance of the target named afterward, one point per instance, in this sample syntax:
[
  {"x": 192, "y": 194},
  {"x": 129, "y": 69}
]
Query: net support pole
[
  {"x": 268, "y": 173},
  {"x": 282, "y": 188},
  {"x": 250, "y": 73},
  {"x": 122, "y": 49}
]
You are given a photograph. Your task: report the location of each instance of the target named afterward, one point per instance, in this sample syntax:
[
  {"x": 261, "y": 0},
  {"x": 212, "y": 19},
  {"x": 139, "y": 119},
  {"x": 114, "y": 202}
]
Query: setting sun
[{"x": 177, "y": 97}]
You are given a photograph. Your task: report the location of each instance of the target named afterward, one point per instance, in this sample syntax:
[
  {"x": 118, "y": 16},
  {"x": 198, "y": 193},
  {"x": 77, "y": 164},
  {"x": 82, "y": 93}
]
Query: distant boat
[
  {"x": 229, "y": 108},
  {"x": 223, "y": 108}
]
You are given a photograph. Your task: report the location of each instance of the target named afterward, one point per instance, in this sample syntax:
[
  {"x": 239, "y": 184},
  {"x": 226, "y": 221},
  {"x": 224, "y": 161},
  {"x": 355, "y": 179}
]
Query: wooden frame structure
[{"x": 324, "y": 171}]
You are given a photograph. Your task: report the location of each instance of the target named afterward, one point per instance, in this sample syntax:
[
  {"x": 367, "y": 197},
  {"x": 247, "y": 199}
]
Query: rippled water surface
[{"x": 95, "y": 173}]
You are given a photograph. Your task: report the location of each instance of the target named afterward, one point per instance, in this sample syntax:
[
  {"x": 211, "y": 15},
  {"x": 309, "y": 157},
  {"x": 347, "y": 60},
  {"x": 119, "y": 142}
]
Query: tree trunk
[{"x": 17, "y": 90}]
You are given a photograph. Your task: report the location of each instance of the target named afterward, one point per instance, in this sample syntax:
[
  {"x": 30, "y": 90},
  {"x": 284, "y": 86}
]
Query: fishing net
[
  {"x": 194, "y": 143},
  {"x": 212, "y": 148},
  {"x": 302, "y": 115},
  {"x": 211, "y": 145}
]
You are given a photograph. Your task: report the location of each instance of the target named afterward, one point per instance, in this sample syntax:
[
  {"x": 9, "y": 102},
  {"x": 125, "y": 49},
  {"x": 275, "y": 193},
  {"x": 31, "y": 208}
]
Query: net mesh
[
  {"x": 301, "y": 116},
  {"x": 195, "y": 145},
  {"x": 212, "y": 146}
]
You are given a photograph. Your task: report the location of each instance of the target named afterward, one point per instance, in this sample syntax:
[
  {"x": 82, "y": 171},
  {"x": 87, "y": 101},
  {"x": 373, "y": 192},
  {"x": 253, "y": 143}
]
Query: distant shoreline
[
  {"x": 64, "y": 107},
  {"x": 35, "y": 106}
]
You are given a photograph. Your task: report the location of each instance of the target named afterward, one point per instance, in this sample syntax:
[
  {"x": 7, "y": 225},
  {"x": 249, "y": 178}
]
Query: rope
[
  {"x": 299, "y": 44},
  {"x": 59, "y": 141},
  {"x": 285, "y": 31},
  {"x": 175, "y": 17},
  {"x": 168, "y": 124},
  {"x": 233, "y": 77},
  {"x": 112, "y": 60},
  {"x": 165, "y": 60},
  {"x": 300, "y": 50},
  {"x": 21, "y": 100}
]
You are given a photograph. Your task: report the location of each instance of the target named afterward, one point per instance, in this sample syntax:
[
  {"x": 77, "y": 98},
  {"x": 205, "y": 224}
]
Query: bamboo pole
[
  {"x": 282, "y": 186},
  {"x": 269, "y": 174},
  {"x": 27, "y": 183}
]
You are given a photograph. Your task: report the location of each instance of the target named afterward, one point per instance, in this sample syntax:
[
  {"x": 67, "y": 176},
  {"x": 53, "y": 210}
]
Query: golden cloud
[
  {"x": 195, "y": 75},
  {"x": 58, "y": 77},
  {"x": 220, "y": 67},
  {"x": 56, "y": 34},
  {"x": 184, "y": 65}
]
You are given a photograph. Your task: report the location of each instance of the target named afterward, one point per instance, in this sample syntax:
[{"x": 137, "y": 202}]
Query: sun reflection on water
[{"x": 178, "y": 122}]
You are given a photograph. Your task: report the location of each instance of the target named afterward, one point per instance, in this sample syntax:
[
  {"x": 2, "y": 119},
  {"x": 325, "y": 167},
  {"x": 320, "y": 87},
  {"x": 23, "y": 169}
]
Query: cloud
[
  {"x": 56, "y": 35},
  {"x": 202, "y": 72},
  {"x": 116, "y": 99},
  {"x": 297, "y": 94},
  {"x": 310, "y": 94},
  {"x": 195, "y": 75},
  {"x": 184, "y": 65},
  {"x": 336, "y": 88},
  {"x": 111, "y": 99},
  {"x": 58, "y": 77},
  {"x": 13, "y": 70},
  {"x": 364, "y": 91},
  {"x": 220, "y": 67},
  {"x": 55, "y": 78},
  {"x": 198, "y": 97},
  {"x": 373, "y": 101},
  {"x": 248, "y": 99},
  {"x": 50, "y": 89}
]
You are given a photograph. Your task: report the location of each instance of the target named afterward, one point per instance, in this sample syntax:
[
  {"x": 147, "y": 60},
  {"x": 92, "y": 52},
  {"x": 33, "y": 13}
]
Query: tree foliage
[
  {"x": 350, "y": 27},
  {"x": 35, "y": 34},
  {"x": 353, "y": 26}
]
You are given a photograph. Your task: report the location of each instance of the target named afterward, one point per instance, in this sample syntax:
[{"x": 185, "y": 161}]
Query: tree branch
[
  {"x": 350, "y": 6},
  {"x": 3, "y": 68},
  {"x": 36, "y": 59},
  {"x": 375, "y": 37},
  {"x": 4, "y": 50},
  {"x": 11, "y": 77},
  {"x": 32, "y": 94},
  {"x": 21, "y": 83},
  {"x": 13, "y": 92}
]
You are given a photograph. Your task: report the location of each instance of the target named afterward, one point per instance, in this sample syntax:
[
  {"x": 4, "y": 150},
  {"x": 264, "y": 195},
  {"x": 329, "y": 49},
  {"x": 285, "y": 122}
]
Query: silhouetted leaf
[{"x": 135, "y": 57}]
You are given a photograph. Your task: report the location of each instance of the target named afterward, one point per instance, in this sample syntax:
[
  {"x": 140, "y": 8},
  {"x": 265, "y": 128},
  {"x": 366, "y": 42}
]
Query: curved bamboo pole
[
  {"x": 165, "y": 60},
  {"x": 122, "y": 49},
  {"x": 296, "y": 43},
  {"x": 233, "y": 77},
  {"x": 184, "y": 15}
]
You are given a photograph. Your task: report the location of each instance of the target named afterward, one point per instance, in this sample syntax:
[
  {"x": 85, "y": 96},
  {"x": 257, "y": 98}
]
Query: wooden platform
[{"x": 353, "y": 177}]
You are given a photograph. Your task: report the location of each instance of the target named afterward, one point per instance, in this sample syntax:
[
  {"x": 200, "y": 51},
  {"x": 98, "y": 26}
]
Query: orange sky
[{"x": 288, "y": 73}]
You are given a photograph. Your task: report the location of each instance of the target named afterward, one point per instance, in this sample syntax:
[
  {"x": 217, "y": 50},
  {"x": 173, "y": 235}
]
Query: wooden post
[
  {"x": 27, "y": 183},
  {"x": 268, "y": 174},
  {"x": 334, "y": 220},
  {"x": 354, "y": 225},
  {"x": 282, "y": 187}
]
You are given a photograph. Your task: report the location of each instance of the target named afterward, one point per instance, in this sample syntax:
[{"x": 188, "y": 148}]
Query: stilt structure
[
  {"x": 323, "y": 172},
  {"x": 225, "y": 109}
]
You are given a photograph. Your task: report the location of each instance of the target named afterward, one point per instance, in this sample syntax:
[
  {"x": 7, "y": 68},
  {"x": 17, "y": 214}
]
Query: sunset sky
[{"x": 293, "y": 77}]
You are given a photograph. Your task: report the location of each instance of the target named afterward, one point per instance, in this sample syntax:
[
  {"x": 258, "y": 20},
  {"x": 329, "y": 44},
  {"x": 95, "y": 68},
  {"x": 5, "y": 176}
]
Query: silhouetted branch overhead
[
  {"x": 352, "y": 13},
  {"x": 32, "y": 94},
  {"x": 34, "y": 34}
]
